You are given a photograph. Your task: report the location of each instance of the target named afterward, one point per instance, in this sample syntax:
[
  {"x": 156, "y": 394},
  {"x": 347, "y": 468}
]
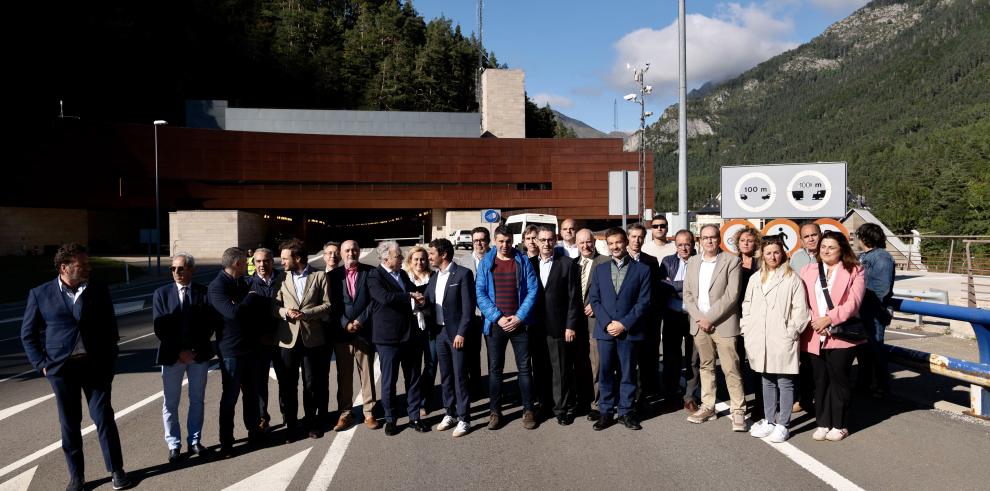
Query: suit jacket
[
  {"x": 657, "y": 297},
  {"x": 673, "y": 290},
  {"x": 468, "y": 262},
  {"x": 344, "y": 309},
  {"x": 180, "y": 331},
  {"x": 598, "y": 259},
  {"x": 558, "y": 304},
  {"x": 52, "y": 325},
  {"x": 314, "y": 304},
  {"x": 237, "y": 335},
  {"x": 847, "y": 292},
  {"x": 723, "y": 294},
  {"x": 392, "y": 312},
  {"x": 458, "y": 301},
  {"x": 630, "y": 306},
  {"x": 263, "y": 314}
]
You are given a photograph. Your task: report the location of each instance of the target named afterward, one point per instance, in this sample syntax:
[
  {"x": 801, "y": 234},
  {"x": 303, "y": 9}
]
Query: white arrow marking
[
  {"x": 21, "y": 482},
  {"x": 274, "y": 478},
  {"x": 10, "y": 411}
]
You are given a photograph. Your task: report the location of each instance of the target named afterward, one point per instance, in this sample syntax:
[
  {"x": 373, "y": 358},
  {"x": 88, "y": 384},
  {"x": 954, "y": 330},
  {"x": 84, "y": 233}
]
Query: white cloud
[
  {"x": 839, "y": 5},
  {"x": 736, "y": 39},
  {"x": 555, "y": 101}
]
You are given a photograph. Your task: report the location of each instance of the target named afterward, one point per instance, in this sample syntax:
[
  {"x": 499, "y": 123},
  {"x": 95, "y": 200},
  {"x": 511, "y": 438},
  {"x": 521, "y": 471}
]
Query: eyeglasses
[
  {"x": 709, "y": 237},
  {"x": 483, "y": 241},
  {"x": 177, "y": 269},
  {"x": 684, "y": 246},
  {"x": 544, "y": 241},
  {"x": 659, "y": 225}
]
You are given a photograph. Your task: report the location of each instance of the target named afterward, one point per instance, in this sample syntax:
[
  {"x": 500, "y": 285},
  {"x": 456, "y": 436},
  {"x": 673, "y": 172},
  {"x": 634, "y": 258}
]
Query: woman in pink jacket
[{"x": 831, "y": 358}]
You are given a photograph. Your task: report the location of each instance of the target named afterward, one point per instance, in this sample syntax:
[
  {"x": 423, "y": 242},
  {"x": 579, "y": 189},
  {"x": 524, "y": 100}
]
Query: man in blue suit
[
  {"x": 70, "y": 335},
  {"x": 397, "y": 335},
  {"x": 620, "y": 298},
  {"x": 450, "y": 305},
  {"x": 184, "y": 323}
]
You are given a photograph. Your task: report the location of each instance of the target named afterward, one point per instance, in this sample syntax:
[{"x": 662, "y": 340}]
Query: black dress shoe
[
  {"x": 314, "y": 434},
  {"x": 593, "y": 415},
  {"x": 420, "y": 426},
  {"x": 226, "y": 450},
  {"x": 257, "y": 438},
  {"x": 390, "y": 429},
  {"x": 199, "y": 450},
  {"x": 119, "y": 480},
  {"x": 173, "y": 455},
  {"x": 630, "y": 421},
  {"x": 565, "y": 419},
  {"x": 76, "y": 484},
  {"x": 604, "y": 421}
]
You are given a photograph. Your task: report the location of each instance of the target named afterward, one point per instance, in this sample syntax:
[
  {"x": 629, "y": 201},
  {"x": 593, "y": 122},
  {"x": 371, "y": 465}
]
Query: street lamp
[
  {"x": 158, "y": 219},
  {"x": 640, "y": 98}
]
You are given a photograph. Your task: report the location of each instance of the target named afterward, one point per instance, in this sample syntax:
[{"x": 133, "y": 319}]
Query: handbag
[{"x": 851, "y": 330}]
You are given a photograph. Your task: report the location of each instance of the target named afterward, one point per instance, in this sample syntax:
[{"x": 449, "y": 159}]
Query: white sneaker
[
  {"x": 761, "y": 429},
  {"x": 447, "y": 423},
  {"x": 819, "y": 434},
  {"x": 779, "y": 434},
  {"x": 462, "y": 429},
  {"x": 836, "y": 434}
]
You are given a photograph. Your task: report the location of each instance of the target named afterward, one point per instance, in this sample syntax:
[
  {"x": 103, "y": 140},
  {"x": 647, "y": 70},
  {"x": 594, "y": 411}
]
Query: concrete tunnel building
[{"x": 287, "y": 177}]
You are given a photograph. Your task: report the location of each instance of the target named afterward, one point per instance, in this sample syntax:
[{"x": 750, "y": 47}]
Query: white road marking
[
  {"x": 10, "y": 411},
  {"x": 21, "y": 482},
  {"x": 809, "y": 463},
  {"x": 152, "y": 333},
  {"x": 892, "y": 331},
  {"x": 118, "y": 344},
  {"x": 18, "y": 375},
  {"x": 276, "y": 477},
  {"x": 331, "y": 461},
  {"x": 119, "y": 309},
  {"x": 85, "y": 431}
]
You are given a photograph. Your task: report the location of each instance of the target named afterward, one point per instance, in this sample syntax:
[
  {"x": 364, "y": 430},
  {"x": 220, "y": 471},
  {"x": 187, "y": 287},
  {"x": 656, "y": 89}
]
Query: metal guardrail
[
  {"x": 975, "y": 373},
  {"x": 934, "y": 295}
]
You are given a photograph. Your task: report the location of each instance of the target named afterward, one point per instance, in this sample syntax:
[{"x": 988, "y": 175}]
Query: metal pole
[
  {"x": 642, "y": 146},
  {"x": 625, "y": 197},
  {"x": 158, "y": 225},
  {"x": 952, "y": 245},
  {"x": 682, "y": 206}
]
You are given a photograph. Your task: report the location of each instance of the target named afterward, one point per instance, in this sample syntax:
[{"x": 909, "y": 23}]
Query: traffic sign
[
  {"x": 491, "y": 215},
  {"x": 623, "y": 183},
  {"x": 828, "y": 224},
  {"x": 728, "y": 233},
  {"x": 784, "y": 190},
  {"x": 787, "y": 230}
]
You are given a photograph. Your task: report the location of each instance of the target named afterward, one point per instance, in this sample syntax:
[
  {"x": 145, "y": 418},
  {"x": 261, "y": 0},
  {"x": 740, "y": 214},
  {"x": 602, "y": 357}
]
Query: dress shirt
[
  {"x": 571, "y": 250},
  {"x": 267, "y": 281},
  {"x": 299, "y": 281},
  {"x": 395, "y": 276},
  {"x": 183, "y": 290},
  {"x": 705, "y": 282},
  {"x": 442, "y": 276},
  {"x": 545, "y": 265},
  {"x": 586, "y": 263},
  {"x": 73, "y": 296},
  {"x": 681, "y": 270},
  {"x": 821, "y": 304},
  {"x": 351, "y": 279},
  {"x": 619, "y": 268}
]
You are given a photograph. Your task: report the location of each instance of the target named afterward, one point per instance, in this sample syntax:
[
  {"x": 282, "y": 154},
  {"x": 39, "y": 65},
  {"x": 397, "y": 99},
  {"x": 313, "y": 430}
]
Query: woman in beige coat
[{"x": 774, "y": 313}]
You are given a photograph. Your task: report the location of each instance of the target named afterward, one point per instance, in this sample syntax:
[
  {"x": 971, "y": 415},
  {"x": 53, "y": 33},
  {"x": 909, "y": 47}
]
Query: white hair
[
  {"x": 190, "y": 260},
  {"x": 385, "y": 246}
]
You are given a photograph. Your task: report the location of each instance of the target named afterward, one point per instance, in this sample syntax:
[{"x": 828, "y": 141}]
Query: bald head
[
  {"x": 350, "y": 252},
  {"x": 567, "y": 230},
  {"x": 586, "y": 242}
]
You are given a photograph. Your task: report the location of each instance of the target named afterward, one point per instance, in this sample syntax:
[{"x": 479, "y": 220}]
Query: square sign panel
[{"x": 784, "y": 191}]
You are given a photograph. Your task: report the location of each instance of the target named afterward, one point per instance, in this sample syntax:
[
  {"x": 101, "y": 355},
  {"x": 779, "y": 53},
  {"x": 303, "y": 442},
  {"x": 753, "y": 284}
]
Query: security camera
[
  {"x": 647, "y": 114},
  {"x": 649, "y": 89},
  {"x": 629, "y": 97}
]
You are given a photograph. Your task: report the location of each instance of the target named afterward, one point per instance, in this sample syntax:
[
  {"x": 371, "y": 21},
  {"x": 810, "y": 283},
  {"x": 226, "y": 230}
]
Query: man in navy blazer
[
  {"x": 450, "y": 306},
  {"x": 230, "y": 295},
  {"x": 620, "y": 298},
  {"x": 676, "y": 330},
  {"x": 184, "y": 322},
  {"x": 350, "y": 323},
  {"x": 69, "y": 332},
  {"x": 397, "y": 335}
]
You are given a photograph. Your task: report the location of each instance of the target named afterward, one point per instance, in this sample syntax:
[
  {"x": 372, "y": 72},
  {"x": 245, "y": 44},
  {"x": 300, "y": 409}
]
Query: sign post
[{"x": 623, "y": 193}]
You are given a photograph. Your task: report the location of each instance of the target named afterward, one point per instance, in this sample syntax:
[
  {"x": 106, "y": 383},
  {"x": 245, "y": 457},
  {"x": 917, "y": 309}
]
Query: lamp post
[
  {"x": 158, "y": 220},
  {"x": 640, "y": 98}
]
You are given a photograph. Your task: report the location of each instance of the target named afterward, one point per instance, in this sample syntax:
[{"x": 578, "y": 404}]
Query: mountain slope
[
  {"x": 580, "y": 128},
  {"x": 899, "y": 89}
]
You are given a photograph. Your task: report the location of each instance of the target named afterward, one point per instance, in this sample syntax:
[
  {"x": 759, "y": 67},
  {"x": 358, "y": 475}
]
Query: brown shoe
[
  {"x": 702, "y": 415},
  {"x": 529, "y": 420},
  {"x": 690, "y": 406},
  {"x": 345, "y": 421},
  {"x": 372, "y": 423},
  {"x": 494, "y": 421},
  {"x": 796, "y": 408}
]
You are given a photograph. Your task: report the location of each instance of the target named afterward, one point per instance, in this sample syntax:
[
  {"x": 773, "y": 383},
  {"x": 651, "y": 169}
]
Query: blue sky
[{"x": 575, "y": 52}]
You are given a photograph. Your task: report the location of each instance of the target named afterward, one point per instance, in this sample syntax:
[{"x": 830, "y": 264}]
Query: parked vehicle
[
  {"x": 461, "y": 238},
  {"x": 517, "y": 223}
]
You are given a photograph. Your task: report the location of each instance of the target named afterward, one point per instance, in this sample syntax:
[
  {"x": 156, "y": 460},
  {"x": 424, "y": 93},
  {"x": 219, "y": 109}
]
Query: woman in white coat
[{"x": 774, "y": 313}]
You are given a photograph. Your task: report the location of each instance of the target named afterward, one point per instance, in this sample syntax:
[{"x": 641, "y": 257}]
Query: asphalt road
[{"x": 895, "y": 444}]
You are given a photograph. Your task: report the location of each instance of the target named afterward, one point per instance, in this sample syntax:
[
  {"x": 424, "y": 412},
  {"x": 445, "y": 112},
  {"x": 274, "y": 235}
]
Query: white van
[{"x": 517, "y": 223}]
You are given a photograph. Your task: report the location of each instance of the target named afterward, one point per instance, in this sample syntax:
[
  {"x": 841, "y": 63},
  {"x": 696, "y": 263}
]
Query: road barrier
[{"x": 977, "y": 374}]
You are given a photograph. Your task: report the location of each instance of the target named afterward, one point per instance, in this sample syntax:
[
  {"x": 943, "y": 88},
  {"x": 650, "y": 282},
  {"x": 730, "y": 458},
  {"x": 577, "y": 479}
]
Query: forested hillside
[{"x": 900, "y": 90}]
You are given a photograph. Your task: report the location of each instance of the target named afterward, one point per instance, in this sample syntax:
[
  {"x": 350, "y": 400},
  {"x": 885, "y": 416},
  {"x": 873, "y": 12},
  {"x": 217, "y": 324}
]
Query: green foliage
[
  {"x": 541, "y": 122},
  {"x": 910, "y": 114}
]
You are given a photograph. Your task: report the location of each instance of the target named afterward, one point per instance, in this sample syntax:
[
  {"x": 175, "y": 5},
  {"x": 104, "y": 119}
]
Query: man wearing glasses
[
  {"x": 673, "y": 269},
  {"x": 711, "y": 298},
  {"x": 658, "y": 246},
  {"x": 480, "y": 244}
]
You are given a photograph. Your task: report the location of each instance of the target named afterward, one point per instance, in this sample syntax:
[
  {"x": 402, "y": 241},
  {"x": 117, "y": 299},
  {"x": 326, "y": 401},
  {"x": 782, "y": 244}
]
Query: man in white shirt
[
  {"x": 658, "y": 246},
  {"x": 711, "y": 298},
  {"x": 568, "y": 236},
  {"x": 481, "y": 240}
]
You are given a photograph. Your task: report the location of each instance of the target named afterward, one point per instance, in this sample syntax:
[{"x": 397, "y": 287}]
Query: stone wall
[
  {"x": 206, "y": 233},
  {"x": 33, "y": 230},
  {"x": 503, "y": 103}
]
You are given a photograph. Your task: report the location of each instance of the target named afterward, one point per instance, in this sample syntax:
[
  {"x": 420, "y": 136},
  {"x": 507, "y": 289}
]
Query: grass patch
[{"x": 31, "y": 271}]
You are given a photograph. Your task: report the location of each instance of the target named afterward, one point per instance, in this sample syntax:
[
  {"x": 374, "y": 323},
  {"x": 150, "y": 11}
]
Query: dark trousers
[
  {"x": 676, "y": 333},
  {"x": 584, "y": 379},
  {"x": 542, "y": 373},
  {"x": 429, "y": 371},
  {"x": 238, "y": 375},
  {"x": 315, "y": 363},
  {"x": 265, "y": 357},
  {"x": 833, "y": 387},
  {"x": 562, "y": 375},
  {"x": 617, "y": 356},
  {"x": 453, "y": 377},
  {"x": 497, "y": 342},
  {"x": 648, "y": 360},
  {"x": 872, "y": 358},
  {"x": 752, "y": 381},
  {"x": 472, "y": 356},
  {"x": 95, "y": 383},
  {"x": 409, "y": 357},
  {"x": 804, "y": 384}
]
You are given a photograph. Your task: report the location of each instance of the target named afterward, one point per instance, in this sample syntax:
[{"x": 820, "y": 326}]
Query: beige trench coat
[{"x": 773, "y": 317}]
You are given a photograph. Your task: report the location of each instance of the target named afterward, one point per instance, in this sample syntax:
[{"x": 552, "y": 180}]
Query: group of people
[{"x": 585, "y": 331}]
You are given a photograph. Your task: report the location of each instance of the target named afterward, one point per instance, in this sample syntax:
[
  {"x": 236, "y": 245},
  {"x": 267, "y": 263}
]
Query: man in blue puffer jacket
[{"x": 506, "y": 291}]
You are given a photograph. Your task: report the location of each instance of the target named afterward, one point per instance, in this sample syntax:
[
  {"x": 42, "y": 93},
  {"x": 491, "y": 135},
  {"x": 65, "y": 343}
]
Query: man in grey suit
[
  {"x": 711, "y": 298},
  {"x": 586, "y": 359},
  {"x": 481, "y": 240}
]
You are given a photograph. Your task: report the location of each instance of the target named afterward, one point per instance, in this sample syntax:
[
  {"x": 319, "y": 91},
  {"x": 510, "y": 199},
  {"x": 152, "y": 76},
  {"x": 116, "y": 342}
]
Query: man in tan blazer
[
  {"x": 302, "y": 302},
  {"x": 586, "y": 367},
  {"x": 711, "y": 298}
]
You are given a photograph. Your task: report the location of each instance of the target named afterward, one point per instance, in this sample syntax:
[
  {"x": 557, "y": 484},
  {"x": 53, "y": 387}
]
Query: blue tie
[{"x": 398, "y": 279}]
